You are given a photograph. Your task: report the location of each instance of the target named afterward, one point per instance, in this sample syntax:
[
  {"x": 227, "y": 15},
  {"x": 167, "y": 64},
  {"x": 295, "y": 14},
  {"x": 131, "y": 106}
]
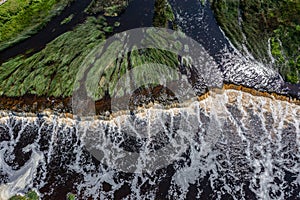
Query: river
[{"x": 229, "y": 145}]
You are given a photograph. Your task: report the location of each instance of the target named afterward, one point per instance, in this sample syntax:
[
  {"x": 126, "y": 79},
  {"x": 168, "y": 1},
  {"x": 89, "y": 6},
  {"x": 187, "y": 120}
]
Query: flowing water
[
  {"x": 230, "y": 145},
  {"x": 236, "y": 146}
]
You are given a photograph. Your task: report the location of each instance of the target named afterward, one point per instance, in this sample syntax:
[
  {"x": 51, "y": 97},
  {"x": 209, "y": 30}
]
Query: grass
[
  {"x": 21, "y": 18},
  {"x": 259, "y": 21},
  {"x": 71, "y": 196},
  {"x": 110, "y": 8},
  {"x": 163, "y": 14},
  {"x": 31, "y": 195},
  {"x": 51, "y": 72},
  {"x": 67, "y": 19},
  {"x": 107, "y": 71}
]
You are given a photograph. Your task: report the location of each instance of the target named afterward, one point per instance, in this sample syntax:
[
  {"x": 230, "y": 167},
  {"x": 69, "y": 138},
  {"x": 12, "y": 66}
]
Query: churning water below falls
[{"x": 230, "y": 145}]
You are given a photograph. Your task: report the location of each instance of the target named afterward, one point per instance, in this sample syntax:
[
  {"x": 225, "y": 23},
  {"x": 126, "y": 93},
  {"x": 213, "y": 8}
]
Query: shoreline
[{"x": 32, "y": 106}]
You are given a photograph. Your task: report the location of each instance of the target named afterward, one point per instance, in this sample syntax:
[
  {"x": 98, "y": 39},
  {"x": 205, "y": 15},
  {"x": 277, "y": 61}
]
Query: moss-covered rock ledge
[
  {"x": 32, "y": 195},
  {"x": 269, "y": 29},
  {"x": 19, "y": 19}
]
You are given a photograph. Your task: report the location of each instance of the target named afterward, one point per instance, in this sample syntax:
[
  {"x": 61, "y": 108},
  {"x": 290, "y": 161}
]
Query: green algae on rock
[
  {"x": 163, "y": 14},
  {"x": 268, "y": 29},
  {"x": 20, "y": 19},
  {"x": 110, "y": 8},
  {"x": 52, "y": 70},
  {"x": 67, "y": 19},
  {"x": 31, "y": 195},
  {"x": 71, "y": 196}
]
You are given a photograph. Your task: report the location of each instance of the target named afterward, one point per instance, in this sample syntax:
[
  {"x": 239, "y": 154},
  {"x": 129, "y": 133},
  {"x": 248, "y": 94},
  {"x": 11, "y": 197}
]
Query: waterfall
[{"x": 229, "y": 144}]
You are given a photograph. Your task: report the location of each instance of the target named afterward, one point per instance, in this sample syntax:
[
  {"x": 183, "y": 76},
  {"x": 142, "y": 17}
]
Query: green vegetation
[
  {"x": 255, "y": 22},
  {"x": 135, "y": 58},
  {"x": 113, "y": 11},
  {"x": 109, "y": 8},
  {"x": 107, "y": 70},
  {"x": 285, "y": 44},
  {"x": 21, "y": 18},
  {"x": 31, "y": 195},
  {"x": 203, "y": 2},
  {"x": 108, "y": 29},
  {"x": 52, "y": 71},
  {"x": 67, "y": 19},
  {"x": 163, "y": 14},
  {"x": 117, "y": 24},
  {"x": 71, "y": 196}
]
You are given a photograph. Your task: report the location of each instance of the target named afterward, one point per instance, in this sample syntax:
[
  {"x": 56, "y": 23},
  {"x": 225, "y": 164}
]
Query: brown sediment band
[
  {"x": 47, "y": 106},
  {"x": 261, "y": 93},
  {"x": 203, "y": 96}
]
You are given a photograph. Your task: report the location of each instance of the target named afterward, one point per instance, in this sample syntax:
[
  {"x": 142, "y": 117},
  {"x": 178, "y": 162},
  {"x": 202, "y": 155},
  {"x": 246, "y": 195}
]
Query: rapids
[{"x": 229, "y": 145}]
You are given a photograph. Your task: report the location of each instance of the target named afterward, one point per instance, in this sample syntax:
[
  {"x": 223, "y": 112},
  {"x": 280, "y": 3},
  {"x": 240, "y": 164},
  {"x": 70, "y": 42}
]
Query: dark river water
[
  {"x": 200, "y": 25},
  {"x": 228, "y": 146},
  {"x": 139, "y": 13}
]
